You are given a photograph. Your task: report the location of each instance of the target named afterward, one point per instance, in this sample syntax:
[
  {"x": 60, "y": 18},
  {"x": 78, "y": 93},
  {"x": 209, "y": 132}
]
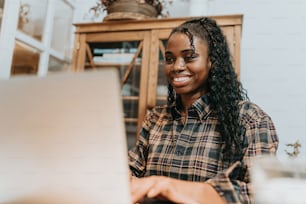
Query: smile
[{"x": 180, "y": 79}]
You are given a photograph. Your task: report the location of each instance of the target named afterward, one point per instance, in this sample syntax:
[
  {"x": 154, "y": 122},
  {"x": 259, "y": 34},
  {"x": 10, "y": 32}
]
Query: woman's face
[{"x": 187, "y": 69}]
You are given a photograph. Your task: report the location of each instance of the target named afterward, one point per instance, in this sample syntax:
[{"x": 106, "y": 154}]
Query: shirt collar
[{"x": 200, "y": 109}]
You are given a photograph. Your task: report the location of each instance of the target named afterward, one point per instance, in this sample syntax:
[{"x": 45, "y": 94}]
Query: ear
[{"x": 209, "y": 63}]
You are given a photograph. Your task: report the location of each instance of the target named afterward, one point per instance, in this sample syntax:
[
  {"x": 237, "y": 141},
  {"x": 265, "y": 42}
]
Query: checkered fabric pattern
[{"x": 193, "y": 150}]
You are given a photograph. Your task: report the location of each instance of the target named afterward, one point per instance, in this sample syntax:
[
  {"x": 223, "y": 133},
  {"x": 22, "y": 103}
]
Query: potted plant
[{"x": 131, "y": 9}]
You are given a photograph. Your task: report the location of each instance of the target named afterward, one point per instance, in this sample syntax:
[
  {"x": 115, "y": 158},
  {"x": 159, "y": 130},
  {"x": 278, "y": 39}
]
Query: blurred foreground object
[{"x": 278, "y": 181}]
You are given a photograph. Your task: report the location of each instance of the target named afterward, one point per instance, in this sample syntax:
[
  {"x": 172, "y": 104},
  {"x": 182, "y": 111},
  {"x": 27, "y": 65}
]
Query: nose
[{"x": 179, "y": 64}]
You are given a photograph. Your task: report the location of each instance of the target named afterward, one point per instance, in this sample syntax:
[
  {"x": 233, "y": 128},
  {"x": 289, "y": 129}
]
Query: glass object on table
[{"x": 279, "y": 180}]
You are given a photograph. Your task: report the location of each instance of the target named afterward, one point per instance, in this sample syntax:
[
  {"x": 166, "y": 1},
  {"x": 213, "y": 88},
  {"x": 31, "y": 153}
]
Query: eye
[
  {"x": 190, "y": 57},
  {"x": 169, "y": 59}
]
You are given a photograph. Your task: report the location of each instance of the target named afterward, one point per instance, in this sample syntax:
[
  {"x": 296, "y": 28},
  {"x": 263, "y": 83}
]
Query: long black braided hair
[{"x": 224, "y": 89}]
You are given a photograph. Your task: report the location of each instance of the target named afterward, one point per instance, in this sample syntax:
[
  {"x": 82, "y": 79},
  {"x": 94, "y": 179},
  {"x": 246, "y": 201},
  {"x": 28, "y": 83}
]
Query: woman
[{"x": 199, "y": 148}]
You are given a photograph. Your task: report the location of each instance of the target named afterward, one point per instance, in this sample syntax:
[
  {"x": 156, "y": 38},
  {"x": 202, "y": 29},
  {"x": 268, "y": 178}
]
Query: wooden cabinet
[{"x": 136, "y": 48}]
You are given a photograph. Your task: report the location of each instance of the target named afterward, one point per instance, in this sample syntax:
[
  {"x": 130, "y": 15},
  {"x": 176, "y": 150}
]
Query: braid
[
  {"x": 224, "y": 89},
  {"x": 171, "y": 95}
]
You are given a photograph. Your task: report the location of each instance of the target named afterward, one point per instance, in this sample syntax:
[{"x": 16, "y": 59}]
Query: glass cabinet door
[
  {"x": 126, "y": 56},
  {"x": 162, "y": 84}
]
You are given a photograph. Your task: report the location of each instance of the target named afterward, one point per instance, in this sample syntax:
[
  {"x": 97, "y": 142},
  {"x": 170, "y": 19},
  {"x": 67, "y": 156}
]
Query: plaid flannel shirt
[{"x": 193, "y": 150}]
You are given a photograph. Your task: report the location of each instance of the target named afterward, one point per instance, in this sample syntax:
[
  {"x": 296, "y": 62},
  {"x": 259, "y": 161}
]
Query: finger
[
  {"x": 140, "y": 188},
  {"x": 166, "y": 188},
  {"x": 160, "y": 187}
]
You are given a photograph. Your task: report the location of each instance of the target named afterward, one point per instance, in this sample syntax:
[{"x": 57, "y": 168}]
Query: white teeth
[{"x": 179, "y": 79}]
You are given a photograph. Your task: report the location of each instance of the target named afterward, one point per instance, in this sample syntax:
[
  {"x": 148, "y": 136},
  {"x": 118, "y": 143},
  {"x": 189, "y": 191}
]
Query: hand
[
  {"x": 173, "y": 190},
  {"x": 163, "y": 188}
]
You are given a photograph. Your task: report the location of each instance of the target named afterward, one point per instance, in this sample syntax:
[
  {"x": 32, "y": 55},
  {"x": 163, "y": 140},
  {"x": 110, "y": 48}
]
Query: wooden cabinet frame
[{"x": 150, "y": 33}]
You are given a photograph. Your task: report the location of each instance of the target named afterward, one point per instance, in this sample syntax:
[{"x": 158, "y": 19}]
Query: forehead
[{"x": 182, "y": 41}]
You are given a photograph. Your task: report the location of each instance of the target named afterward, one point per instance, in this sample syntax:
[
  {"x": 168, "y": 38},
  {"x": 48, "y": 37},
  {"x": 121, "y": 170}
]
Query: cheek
[
  {"x": 202, "y": 72},
  {"x": 167, "y": 69}
]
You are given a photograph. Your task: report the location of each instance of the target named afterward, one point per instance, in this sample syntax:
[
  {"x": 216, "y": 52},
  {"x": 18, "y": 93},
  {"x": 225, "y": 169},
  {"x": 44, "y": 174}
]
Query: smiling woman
[{"x": 200, "y": 146}]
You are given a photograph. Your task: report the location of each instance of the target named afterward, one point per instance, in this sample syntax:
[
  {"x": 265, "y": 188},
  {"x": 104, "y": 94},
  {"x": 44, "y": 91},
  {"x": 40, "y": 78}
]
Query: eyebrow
[
  {"x": 188, "y": 50},
  {"x": 183, "y": 51}
]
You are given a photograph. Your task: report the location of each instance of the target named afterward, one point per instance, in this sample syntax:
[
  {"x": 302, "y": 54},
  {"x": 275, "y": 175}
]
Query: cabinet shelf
[
  {"x": 161, "y": 98},
  {"x": 130, "y": 98},
  {"x": 107, "y": 64},
  {"x": 131, "y": 120}
]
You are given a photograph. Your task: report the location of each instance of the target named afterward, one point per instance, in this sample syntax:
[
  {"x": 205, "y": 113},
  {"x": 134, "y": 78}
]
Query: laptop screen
[{"x": 62, "y": 139}]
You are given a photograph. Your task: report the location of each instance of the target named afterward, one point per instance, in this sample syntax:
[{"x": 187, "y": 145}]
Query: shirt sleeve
[
  {"x": 261, "y": 140},
  {"x": 138, "y": 154}
]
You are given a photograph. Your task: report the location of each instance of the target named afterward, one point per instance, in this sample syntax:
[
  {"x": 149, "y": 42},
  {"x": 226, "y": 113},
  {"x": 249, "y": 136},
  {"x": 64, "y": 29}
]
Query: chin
[{"x": 181, "y": 91}]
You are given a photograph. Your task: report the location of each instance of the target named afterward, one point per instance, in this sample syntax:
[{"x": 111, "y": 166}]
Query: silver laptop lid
[{"x": 62, "y": 139}]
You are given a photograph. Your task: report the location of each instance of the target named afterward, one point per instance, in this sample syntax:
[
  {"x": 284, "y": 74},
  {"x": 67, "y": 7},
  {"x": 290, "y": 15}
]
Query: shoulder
[
  {"x": 259, "y": 128},
  {"x": 159, "y": 111},
  {"x": 251, "y": 112},
  {"x": 158, "y": 114}
]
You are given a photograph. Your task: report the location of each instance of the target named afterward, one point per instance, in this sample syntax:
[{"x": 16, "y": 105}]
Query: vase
[{"x": 130, "y": 9}]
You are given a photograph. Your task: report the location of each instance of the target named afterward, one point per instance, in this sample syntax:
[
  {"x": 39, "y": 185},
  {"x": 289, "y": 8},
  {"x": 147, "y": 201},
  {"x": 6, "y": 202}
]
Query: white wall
[
  {"x": 273, "y": 53},
  {"x": 273, "y": 66},
  {"x": 82, "y": 13}
]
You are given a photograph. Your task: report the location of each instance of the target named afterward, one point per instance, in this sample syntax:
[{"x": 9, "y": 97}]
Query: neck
[{"x": 187, "y": 101}]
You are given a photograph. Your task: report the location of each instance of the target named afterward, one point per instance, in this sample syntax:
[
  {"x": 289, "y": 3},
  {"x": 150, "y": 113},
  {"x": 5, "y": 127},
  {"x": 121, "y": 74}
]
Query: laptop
[{"x": 62, "y": 139}]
